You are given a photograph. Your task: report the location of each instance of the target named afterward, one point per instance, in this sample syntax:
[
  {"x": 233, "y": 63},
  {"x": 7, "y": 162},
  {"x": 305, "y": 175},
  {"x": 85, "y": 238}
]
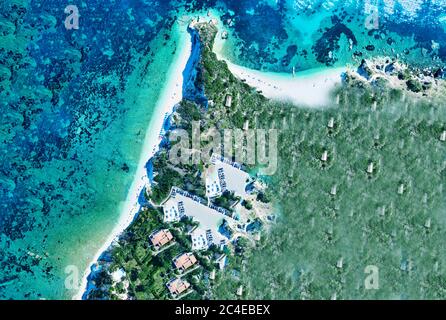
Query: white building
[
  {"x": 324, "y": 156},
  {"x": 228, "y": 101}
]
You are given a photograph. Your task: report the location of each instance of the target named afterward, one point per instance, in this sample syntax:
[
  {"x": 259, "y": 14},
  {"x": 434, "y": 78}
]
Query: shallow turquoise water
[
  {"x": 301, "y": 34},
  {"x": 76, "y": 104},
  {"x": 71, "y": 167}
]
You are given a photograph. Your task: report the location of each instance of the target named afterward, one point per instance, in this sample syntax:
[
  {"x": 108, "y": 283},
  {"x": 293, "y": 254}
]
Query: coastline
[
  {"x": 310, "y": 88},
  {"x": 171, "y": 95}
]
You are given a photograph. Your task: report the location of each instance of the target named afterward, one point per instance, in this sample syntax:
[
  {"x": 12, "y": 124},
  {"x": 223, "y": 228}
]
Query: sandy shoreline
[
  {"x": 170, "y": 96},
  {"x": 309, "y": 88}
]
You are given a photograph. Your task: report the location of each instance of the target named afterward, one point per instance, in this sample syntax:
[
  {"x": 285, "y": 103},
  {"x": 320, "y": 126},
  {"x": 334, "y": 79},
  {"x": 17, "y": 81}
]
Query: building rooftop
[
  {"x": 324, "y": 156},
  {"x": 160, "y": 238},
  {"x": 184, "y": 261},
  {"x": 177, "y": 286},
  {"x": 228, "y": 101}
]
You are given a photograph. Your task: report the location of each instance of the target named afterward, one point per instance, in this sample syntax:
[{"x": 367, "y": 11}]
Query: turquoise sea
[{"x": 76, "y": 103}]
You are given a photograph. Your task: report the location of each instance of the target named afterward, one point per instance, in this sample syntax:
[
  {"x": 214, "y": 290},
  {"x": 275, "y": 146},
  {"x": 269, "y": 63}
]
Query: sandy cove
[{"x": 310, "y": 88}]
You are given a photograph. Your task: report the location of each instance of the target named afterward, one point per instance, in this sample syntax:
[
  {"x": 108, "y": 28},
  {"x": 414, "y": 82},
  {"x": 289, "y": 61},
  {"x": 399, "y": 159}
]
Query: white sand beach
[
  {"x": 170, "y": 96},
  {"x": 310, "y": 88}
]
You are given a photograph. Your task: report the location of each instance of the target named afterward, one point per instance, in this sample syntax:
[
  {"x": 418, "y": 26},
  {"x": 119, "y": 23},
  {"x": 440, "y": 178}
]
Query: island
[{"x": 201, "y": 221}]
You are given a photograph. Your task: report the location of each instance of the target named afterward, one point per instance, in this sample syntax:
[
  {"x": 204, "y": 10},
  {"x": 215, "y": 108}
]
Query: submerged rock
[
  {"x": 390, "y": 68},
  {"x": 439, "y": 73},
  {"x": 364, "y": 70}
]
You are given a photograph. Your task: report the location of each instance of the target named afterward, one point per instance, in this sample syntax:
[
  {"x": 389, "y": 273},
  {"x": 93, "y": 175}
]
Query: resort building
[
  {"x": 118, "y": 275},
  {"x": 223, "y": 175},
  {"x": 324, "y": 156},
  {"x": 370, "y": 168},
  {"x": 184, "y": 261},
  {"x": 177, "y": 286},
  {"x": 246, "y": 125},
  {"x": 228, "y": 101},
  {"x": 160, "y": 238},
  {"x": 333, "y": 190},
  {"x": 401, "y": 189}
]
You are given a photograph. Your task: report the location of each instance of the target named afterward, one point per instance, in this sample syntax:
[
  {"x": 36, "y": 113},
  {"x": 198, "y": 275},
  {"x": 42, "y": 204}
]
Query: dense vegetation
[
  {"x": 392, "y": 218},
  {"x": 335, "y": 217},
  {"x": 147, "y": 271}
]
